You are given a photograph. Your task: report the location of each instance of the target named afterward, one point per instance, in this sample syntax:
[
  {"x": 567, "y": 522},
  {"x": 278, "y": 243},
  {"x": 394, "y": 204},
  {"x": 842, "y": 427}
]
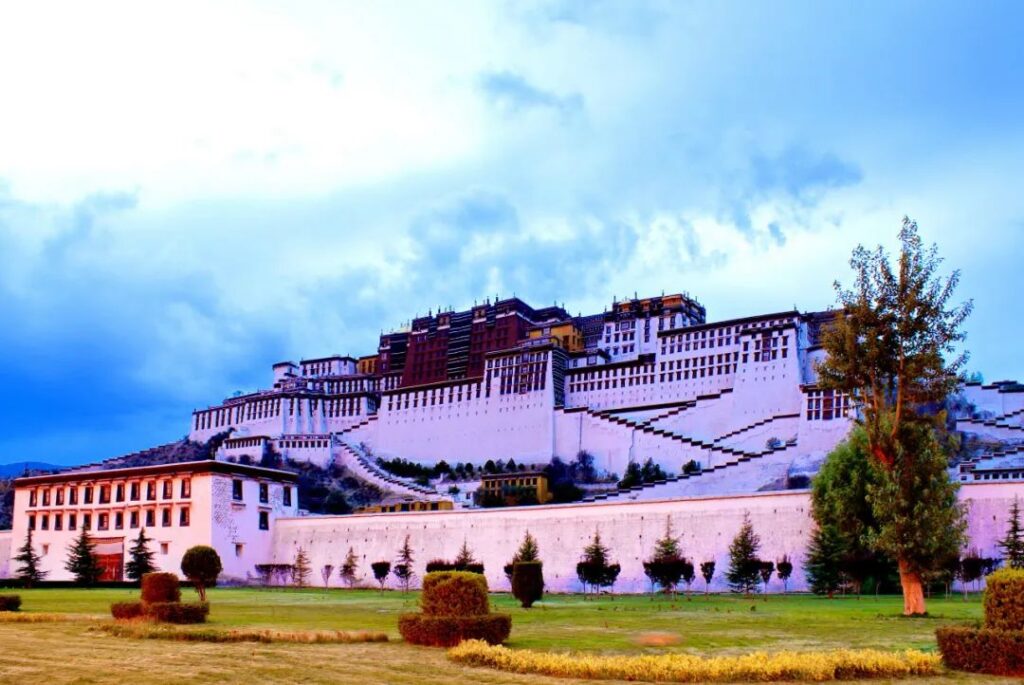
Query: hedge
[
  {"x": 997, "y": 652},
  {"x": 454, "y": 593},
  {"x": 841, "y": 664},
  {"x": 178, "y": 612},
  {"x": 527, "y": 582},
  {"x": 158, "y": 588},
  {"x": 1004, "y": 599},
  {"x": 10, "y": 602},
  {"x": 448, "y": 631},
  {"x": 125, "y": 611}
]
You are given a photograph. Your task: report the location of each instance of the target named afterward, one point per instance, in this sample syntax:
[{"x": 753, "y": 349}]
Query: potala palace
[{"x": 730, "y": 410}]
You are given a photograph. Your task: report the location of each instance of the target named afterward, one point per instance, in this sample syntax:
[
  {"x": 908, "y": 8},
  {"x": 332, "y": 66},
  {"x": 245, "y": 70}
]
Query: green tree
[
  {"x": 82, "y": 562},
  {"x": 29, "y": 571},
  {"x": 784, "y": 569},
  {"x": 301, "y": 569},
  {"x": 403, "y": 565},
  {"x": 707, "y": 571},
  {"x": 141, "y": 561},
  {"x": 744, "y": 566},
  {"x": 823, "y": 565},
  {"x": 666, "y": 567},
  {"x": 528, "y": 550},
  {"x": 201, "y": 564},
  {"x": 594, "y": 568},
  {"x": 465, "y": 556},
  {"x": 1013, "y": 543},
  {"x": 349, "y": 568},
  {"x": 893, "y": 350},
  {"x": 766, "y": 570},
  {"x": 381, "y": 569}
]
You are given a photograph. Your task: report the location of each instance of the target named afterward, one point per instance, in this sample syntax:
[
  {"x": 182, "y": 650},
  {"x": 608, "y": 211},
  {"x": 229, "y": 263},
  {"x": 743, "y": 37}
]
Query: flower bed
[{"x": 685, "y": 668}]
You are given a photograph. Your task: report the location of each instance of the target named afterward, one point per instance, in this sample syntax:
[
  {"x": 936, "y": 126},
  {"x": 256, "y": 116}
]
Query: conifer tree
[
  {"x": 594, "y": 569},
  {"x": 301, "y": 569},
  {"x": 666, "y": 567},
  {"x": 528, "y": 550},
  {"x": 29, "y": 571},
  {"x": 349, "y": 568},
  {"x": 465, "y": 557},
  {"x": 744, "y": 566},
  {"x": 82, "y": 562},
  {"x": 823, "y": 565},
  {"x": 1013, "y": 543},
  {"x": 403, "y": 565},
  {"x": 141, "y": 561}
]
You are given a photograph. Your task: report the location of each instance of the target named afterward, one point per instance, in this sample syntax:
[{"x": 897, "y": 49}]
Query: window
[
  {"x": 103, "y": 521},
  {"x": 239, "y": 549},
  {"x": 104, "y": 494},
  {"x": 264, "y": 520},
  {"x": 133, "y": 519},
  {"x": 32, "y": 498},
  {"x": 150, "y": 491},
  {"x": 150, "y": 518},
  {"x": 183, "y": 516},
  {"x": 236, "y": 490},
  {"x": 58, "y": 521},
  {"x": 164, "y": 548},
  {"x": 87, "y": 521},
  {"x": 87, "y": 495},
  {"x": 44, "y": 522},
  {"x": 72, "y": 521},
  {"x": 119, "y": 492},
  {"x": 118, "y": 520},
  {"x": 186, "y": 488},
  {"x": 165, "y": 518},
  {"x": 287, "y": 493},
  {"x": 168, "y": 490},
  {"x": 264, "y": 493},
  {"x": 133, "y": 491},
  {"x": 72, "y": 495},
  {"x": 46, "y": 497}
]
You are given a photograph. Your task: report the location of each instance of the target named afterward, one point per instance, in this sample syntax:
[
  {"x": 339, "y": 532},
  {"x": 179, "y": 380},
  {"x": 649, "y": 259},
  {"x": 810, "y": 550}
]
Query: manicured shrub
[
  {"x": 126, "y": 611},
  {"x": 454, "y": 593},
  {"x": 998, "y": 652},
  {"x": 160, "y": 587},
  {"x": 435, "y": 565},
  {"x": 178, "y": 612},
  {"x": 201, "y": 564},
  {"x": 527, "y": 582},
  {"x": 448, "y": 631},
  {"x": 840, "y": 664},
  {"x": 1004, "y": 599},
  {"x": 10, "y": 602}
]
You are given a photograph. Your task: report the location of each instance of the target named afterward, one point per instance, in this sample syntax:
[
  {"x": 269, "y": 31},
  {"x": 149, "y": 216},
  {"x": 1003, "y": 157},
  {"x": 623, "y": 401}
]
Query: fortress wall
[
  {"x": 706, "y": 526},
  {"x": 5, "y": 552}
]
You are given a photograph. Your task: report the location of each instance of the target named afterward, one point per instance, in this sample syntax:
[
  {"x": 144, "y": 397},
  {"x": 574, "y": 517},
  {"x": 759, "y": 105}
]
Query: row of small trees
[{"x": 82, "y": 561}]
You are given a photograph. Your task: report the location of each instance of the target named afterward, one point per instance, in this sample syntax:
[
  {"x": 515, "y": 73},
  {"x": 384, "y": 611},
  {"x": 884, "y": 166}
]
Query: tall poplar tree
[{"x": 893, "y": 349}]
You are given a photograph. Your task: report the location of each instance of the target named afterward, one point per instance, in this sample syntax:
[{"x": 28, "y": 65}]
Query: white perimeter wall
[
  {"x": 5, "y": 552},
  {"x": 706, "y": 526}
]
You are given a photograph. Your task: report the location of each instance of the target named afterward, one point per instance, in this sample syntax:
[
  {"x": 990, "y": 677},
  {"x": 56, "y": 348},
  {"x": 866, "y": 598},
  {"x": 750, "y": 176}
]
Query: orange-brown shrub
[{"x": 160, "y": 587}]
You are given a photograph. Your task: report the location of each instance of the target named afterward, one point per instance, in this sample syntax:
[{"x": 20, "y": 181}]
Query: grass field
[{"x": 72, "y": 653}]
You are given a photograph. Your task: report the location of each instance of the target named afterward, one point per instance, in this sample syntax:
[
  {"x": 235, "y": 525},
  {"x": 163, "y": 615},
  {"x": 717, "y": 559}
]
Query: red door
[{"x": 110, "y": 557}]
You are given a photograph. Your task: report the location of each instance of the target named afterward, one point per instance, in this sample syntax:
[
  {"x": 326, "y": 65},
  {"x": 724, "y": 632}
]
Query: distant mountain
[{"x": 18, "y": 468}]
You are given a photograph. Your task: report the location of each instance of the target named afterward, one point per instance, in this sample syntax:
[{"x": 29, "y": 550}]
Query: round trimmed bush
[
  {"x": 1004, "y": 599},
  {"x": 160, "y": 587},
  {"x": 126, "y": 611},
  {"x": 10, "y": 602},
  {"x": 454, "y": 593}
]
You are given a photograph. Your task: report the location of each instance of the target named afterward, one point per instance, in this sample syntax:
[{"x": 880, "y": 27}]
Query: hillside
[{"x": 19, "y": 468}]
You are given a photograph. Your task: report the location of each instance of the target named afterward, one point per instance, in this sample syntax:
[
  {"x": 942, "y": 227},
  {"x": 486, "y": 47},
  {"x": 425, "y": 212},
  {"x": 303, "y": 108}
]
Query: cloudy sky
[{"x": 190, "y": 192}]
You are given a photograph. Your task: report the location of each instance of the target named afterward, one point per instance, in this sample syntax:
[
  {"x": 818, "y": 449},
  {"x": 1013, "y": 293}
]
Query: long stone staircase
[{"x": 363, "y": 466}]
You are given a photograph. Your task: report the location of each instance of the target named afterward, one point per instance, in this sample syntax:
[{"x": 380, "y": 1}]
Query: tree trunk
[{"x": 913, "y": 590}]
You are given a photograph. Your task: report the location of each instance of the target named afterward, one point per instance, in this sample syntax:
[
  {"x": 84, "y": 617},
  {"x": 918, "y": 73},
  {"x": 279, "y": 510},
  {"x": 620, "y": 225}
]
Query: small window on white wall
[
  {"x": 164, "y": 548},
  {"x": 239, "y": 549}
]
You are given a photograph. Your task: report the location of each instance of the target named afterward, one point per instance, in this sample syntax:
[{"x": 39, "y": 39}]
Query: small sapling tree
[
  {"x": 381, "y": 570},
  {"x": 707, "y": 571},
  {"x": 201, "y": 564},
  {"x": 784, "y": 569},
  {"x": 744, "y": 566},
  {"x": 1013, "y": 543},
  {"x": 766, "y": 571},
  {"x": 325, "y": 572},
  {"x": 403, "y": 565},
  {"x": 349, "y": 568},
  {"x": 301, "y": 569},
  {"x": 666, "y": 566},
  {"x": 594, "y": 568}
]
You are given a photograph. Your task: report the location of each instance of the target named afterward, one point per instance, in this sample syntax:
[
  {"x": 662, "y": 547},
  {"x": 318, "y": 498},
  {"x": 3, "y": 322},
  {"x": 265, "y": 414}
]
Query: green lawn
[{"x": 71, "y": 653}]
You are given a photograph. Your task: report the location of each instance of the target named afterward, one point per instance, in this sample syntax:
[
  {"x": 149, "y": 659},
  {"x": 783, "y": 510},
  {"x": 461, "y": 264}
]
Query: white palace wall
[
  {"x": 5, "y": 552},
  {"x": 705, "y": 526}
]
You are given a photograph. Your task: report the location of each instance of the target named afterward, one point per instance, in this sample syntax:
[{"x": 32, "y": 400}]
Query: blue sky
[{"x": 190, "y": 192}]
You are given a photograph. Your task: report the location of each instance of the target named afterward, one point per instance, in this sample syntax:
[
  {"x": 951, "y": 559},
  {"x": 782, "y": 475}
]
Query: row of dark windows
[
  {"x": 104, "y": 520},
  {"x": 238, "y": 492},
  {"x": 56, "y": 496}
]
